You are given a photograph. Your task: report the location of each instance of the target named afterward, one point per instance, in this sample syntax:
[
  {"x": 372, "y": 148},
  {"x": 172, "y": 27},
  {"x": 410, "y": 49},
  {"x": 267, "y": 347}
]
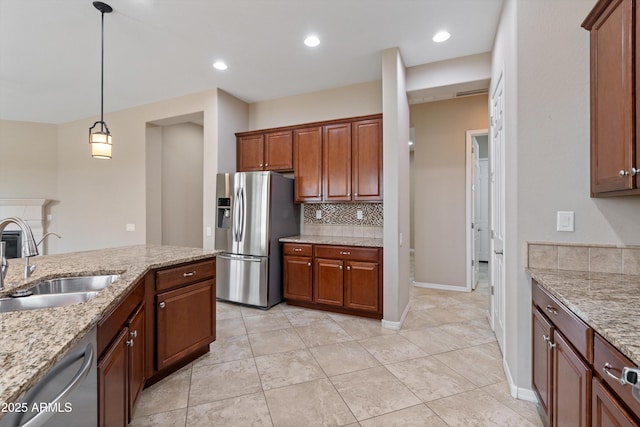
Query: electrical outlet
[
  {"x": 359, "y": 214},
  {"x": 208, "y": 231},
  {"x": 318, "y": 214}
]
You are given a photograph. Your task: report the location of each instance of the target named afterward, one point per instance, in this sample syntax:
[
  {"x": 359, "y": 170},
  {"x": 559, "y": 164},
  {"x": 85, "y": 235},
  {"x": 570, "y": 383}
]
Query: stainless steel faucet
[{"x": 29, "y": 248}]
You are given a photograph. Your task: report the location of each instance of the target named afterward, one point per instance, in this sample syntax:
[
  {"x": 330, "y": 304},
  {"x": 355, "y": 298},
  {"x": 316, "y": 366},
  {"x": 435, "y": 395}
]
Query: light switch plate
[
  {"x": 131, "y": 227},
  {"x": 565, "y": 221}
]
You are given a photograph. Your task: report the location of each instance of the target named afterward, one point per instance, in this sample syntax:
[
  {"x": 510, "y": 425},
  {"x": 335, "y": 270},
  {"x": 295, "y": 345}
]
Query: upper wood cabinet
[
  {"x": 366, "y": 148},
  {"x": 615, "y": 157},
  {"x": 336, "y": 141},
  {"x": 307, "y": 164},
  {"x": 271, "y": 151}
]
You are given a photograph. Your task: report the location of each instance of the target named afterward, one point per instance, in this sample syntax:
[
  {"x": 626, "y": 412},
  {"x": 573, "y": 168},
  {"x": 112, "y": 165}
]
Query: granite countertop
[
  {"x": 609, "y": 303},
  {"x": 335, "y": 240},
  {"x": 33, "y": 341}
]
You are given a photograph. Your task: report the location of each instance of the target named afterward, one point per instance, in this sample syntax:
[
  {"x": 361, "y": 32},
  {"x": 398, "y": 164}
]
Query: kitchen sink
[
  {"x": 34, "y": 302},
  {"x": 65, "y": 285}
]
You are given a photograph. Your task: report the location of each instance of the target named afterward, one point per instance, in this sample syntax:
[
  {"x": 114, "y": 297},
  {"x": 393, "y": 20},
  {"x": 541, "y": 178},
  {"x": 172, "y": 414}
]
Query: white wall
[
  {"x": 182, "y": 181},
  {"x": 233, "y": 116},
  {"x": 28, "y": 160},
  {"x": 348, "y": 101},
  {"x": 396, "y": 188}
]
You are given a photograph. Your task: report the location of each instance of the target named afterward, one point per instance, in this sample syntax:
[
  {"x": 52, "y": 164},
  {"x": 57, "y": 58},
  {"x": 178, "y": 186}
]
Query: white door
[
  {"x": 482, "y": 216},
  {"x": 475, "y": 189},
  {"x": 497, "y": 195},
  {"x": 472, "y": 206}
]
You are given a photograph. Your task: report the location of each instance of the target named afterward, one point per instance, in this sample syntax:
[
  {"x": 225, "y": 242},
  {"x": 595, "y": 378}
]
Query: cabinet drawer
[
  {"x": 575, "y": 330},
  {"x": 297, "y": 249},
  {"x": 604, "y": 353},
  {"x": 346, "y": 252},
  {"x": 177, "y": 276}
]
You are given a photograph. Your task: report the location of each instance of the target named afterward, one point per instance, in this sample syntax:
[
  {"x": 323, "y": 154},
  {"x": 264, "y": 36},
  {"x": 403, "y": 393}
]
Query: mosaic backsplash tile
[{"x": 344, "y": 214}]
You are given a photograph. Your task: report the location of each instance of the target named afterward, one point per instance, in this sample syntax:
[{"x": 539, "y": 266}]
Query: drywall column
[{"x": 395, "y": 113}]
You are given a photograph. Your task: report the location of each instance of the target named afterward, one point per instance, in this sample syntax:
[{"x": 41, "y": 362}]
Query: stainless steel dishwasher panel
[
  {"x": 68, "y": 394},
  {"x": 242, "y": 279}
]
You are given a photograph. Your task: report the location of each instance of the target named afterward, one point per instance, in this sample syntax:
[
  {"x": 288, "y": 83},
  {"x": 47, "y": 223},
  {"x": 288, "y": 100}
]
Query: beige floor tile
[
  {"x": 500, "y": 392},
  {"x": 302, "y": 317},
  {"x": 475, "y": 364},
  {"x": 430, "y": 379},
  {"x": 418, "y": 319},
  {"x": 230, "y": 327},
  {"x": 360, "y": 328},
  {"x": 322, "y": 333},
  {"x": 283, "y": 369},
  {"x": 415, "y": 416},
  {"x": 316, "y": 403},
  {"x": 248, "y": 410},
  {"x": 469, "y": 333},
  {"x": 223, "y": 380},
  {"x": 432, "y": 340},
  {"x": 163, "y": 419},
  {"x": 454, "y": 314},
  {"x": 266, "y": 322},
  {"x": 227, "y": 311},
  {"x": 372, "y": 392},
  {"x": 341, "y": 358},
  {"x": 476, "y": 409},
  {"x": 226, "y": 350},
  {"x": 166, "y": 395},
  {"x": 392, "y": 348},
  {"x": 264, "y": 343},
  {"x": 434, "y": 300}
]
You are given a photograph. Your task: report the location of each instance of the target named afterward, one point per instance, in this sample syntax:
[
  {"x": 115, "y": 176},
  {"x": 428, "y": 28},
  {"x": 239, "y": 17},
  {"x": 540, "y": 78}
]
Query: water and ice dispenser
[{"x": 224, "y": 212}]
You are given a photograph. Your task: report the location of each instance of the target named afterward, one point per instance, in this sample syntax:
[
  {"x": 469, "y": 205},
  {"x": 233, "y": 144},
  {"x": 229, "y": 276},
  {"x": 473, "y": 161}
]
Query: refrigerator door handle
[
  {"x": 236, "y": 215},
  {"x": 242, "y": 215},
  {"x": 239, "y": 257}
]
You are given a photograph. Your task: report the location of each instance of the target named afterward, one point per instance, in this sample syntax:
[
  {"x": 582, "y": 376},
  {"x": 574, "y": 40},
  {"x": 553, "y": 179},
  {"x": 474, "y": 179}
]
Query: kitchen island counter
[
  {"x": 606, "y": 302},
  {"x": 32, "y": 341},
  {"x": 335, "y": 240}
]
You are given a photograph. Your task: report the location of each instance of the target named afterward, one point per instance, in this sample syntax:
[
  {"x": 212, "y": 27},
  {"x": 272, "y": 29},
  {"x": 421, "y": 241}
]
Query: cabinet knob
[
  {"x": 133, "y": 334},
  {"x": 129, "y": 343},
  {"x": 266, "y": 165},
  {"x": 356, "y": 194},
  {"x": 261, "y": 165},
  {"x": 163, "y": 305},
  {"x": 635, "y": 171},
  {"x": 545, "y": 338},
  {"x": 551, "y": 344},
  {"x": 348, "y": 268},
  {"x": 309, "y": 264},
  {"x": 340, "y": 267},
  {"x": 623, "y": 173}
]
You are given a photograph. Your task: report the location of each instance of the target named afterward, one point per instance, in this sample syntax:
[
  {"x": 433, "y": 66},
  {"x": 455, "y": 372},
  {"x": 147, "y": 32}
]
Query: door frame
[{"x": 470, "y": 214}]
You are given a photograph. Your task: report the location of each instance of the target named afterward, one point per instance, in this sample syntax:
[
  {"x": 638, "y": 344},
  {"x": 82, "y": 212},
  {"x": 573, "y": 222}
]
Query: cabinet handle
[
  {"x": 546, "y": 338},
  {"x": 129, "y": 343},
  {"x": 551, "y": 309},
  {"x": 551, "y": 344},
  {"x": 340, "y": 267},
  {"x": 309, "y": 264},
  {"x": 189, "y": 274},
  {"x": 607, "y": 370},
  {"x": 133, "y": 334},
  {"x": 356, "y": 194},
  {"x": 635, "y": 171},
  {"x": 345, "y": 253},
  {"x": 266, "y": 165},
  {"x": 163, "y": 305},
  {"x": 348, "y": 194},
  {"x": 297, "y": 249},
  {"x": 348, "y": 268},
  {"x": 261, "y": 165}
]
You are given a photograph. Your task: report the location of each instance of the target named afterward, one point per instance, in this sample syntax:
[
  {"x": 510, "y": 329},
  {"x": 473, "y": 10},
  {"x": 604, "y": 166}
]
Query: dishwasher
[{"x": 67, "y": 396}]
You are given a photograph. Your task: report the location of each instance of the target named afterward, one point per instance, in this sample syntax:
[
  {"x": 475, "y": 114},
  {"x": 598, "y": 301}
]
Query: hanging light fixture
[{"x": 100, "y": 140}]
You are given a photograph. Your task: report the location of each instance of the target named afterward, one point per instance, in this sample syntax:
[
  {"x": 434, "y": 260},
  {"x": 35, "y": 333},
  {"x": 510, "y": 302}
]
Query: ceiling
[{"x": 158, "y": 49}]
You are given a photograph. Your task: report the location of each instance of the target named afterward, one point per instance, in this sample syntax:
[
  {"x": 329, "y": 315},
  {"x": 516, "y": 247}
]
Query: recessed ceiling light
[
  {"x": 312, "y": 41},
  {"x": 219, "y": 65},
  {"x": 441, "y": 37}
]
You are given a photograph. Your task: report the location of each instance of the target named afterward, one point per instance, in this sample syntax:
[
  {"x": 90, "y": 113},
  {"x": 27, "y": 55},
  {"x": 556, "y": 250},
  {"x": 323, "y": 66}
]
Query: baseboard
[
  {"x": 387, "y": 324},
  {"x": 438, "y": 286},
  {"x": 515, "y": 391}
]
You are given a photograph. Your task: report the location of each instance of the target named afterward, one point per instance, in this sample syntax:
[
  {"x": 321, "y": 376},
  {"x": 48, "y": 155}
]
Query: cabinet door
[
  {"x": 113, "y": 383},
  {"x": 307, "y": 164},
  {"x": 612, "y": 98},
  {"x": 278, "y": 151},
  {"x": 361, "y": 286},
  {"x": 337, "y": 162},
  {"x": 542, "y": 361},
  {"x": 328, "y": 286},
  {"x": 185, "y": 321},
  {"x": 136, "y": 357},
  {"x": 607, "y": 410},
  {"x": 250, "y": 153},
  {"x": 572, "y": 386},
  {"x": 366, "y": 149},
  {"x": 298, "y": 278}
]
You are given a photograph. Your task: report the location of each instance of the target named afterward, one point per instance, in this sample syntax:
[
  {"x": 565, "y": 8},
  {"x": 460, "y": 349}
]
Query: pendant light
[{"x": 100, "y": 140}]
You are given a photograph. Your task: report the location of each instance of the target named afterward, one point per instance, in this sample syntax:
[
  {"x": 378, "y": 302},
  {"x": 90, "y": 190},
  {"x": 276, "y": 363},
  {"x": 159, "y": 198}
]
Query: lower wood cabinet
[
  {"x": 607, "y": 409},
  {"x": 337, "y": 278},
  {"x": 572, "y": 385},
  {"x": 113, "y": 384}
]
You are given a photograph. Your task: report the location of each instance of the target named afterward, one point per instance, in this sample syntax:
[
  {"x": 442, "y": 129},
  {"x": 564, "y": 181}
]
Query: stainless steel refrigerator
[{"x": 254, "y": 210}]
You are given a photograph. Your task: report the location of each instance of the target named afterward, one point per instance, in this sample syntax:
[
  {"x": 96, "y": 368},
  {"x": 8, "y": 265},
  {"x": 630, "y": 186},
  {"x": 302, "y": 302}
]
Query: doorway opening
[{"x": 477, "y": 189}]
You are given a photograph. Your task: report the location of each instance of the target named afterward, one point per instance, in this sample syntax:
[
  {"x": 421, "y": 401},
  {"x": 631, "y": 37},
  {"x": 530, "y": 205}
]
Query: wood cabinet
[
  {"x": 607, "y": 410},
  {"x": 307, "y": 164},
  {"x": 185, "y": 314},
  {"x": 335, "y": 278},
  {"x": 271, "y": 151},
  {"x": 121, "y": 370},
  {"x": 615, "y": 73},
  {"x": 336, "y": 172},
  {"x": 561, "y": 372},
  {"x": 366, "y": 147}
]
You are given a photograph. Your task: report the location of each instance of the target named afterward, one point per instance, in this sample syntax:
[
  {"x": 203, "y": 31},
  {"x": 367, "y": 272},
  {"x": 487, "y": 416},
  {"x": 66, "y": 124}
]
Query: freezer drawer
[{"x": 242, "y": 279}]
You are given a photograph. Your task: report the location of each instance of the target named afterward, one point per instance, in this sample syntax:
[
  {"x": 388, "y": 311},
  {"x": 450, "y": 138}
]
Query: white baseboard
[
  {"x": 387, "y": 324},
  {"x": 515, "y": 391},
  {"x": 441, "y": 287}
]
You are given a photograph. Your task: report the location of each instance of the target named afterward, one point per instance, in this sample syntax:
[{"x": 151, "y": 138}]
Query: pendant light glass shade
[{"x": 100, "y": 140}]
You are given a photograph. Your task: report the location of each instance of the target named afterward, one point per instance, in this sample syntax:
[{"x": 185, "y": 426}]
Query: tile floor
[{"x": 296, "y": 367}]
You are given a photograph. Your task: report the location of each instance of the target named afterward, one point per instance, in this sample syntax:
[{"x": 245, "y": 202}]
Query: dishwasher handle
[{"x": 41, "y": 418}]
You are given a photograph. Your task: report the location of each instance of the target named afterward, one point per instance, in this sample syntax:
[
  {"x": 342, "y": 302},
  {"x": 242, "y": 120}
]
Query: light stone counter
[
  {"x": 334, "y": 240},
  {"x": 609, "y": 303},
  {"x": 32, "y": 341}
]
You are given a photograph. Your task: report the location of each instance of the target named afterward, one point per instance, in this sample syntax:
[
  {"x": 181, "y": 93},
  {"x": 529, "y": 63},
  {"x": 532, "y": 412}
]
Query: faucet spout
[{"x": 29, "y": 248}]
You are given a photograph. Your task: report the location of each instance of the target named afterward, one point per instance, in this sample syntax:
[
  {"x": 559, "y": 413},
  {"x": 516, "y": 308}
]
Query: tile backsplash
[
  {"x": 584, "y": 257},
  {"x": 341, "y": 219}
]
